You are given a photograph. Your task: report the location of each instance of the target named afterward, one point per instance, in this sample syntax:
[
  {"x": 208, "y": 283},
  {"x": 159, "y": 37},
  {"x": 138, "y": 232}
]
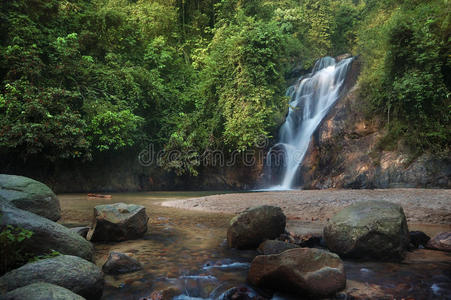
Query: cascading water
[{"x": 311, "y": 99}]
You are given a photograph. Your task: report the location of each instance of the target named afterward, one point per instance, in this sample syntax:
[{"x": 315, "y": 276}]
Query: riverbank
[{"x": 425, "y": 206}]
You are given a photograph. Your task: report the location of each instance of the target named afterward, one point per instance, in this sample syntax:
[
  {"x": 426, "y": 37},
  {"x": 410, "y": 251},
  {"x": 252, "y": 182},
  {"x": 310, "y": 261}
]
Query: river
[{"x": 185, "y": 252}]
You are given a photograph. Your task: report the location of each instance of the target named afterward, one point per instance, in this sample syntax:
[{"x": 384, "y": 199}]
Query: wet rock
[
  {"x": 41, "y": 291},
  {"x": 30, "y": 195},
  {"x": 252, "y": 226},
  {"x": 241, "y": 293},
  {"x": 71, "y": 272},
  {"x": 418, "y": 238},
  {"x": 370, "y": 229},
  {"x": 118, "y": 222},
  {"x": 81, "y": 231},
  {"x": 120, "y": 263},
  {"x": 302, "y": 271},
  {"x": 274, "y": 247},
  {"x": 343, "y": 56},
  {"x": 47, "y": 235},
  {"x": 441, "y": 241}
]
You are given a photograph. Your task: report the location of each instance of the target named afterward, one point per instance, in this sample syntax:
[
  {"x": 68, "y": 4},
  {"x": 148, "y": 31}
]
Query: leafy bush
[{"x": 12, "y": 254}]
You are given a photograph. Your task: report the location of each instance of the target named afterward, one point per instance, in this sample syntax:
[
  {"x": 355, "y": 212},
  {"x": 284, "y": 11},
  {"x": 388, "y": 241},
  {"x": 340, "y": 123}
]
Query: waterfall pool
[{"x": 184, "y": 253}]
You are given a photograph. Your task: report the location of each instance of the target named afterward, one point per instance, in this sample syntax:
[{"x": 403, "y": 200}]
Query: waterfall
[{"x": 311, "y": 99}]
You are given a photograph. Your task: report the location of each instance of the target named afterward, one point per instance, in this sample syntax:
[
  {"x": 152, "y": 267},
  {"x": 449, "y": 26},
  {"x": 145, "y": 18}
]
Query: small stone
[
  {"x": 274, "y": 247},
  {"x": 418, "y": 238},
  {"x": 120, "y": 263},
  {"x": 441, "y": 241}
]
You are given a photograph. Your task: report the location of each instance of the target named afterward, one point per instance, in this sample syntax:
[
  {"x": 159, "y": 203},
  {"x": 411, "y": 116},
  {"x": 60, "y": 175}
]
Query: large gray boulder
[
  {"x": 304, "y": 271},
  {"x": 41, "y": 291},
  {"x": 71, "y": 272},
  {"x": 255, "y": 225},
  {"x": 30, "y": 195},
  {"x": 47, "y": 235},
  {"x": 118, "y": 222},
  {"x": 370, "y": 229}
]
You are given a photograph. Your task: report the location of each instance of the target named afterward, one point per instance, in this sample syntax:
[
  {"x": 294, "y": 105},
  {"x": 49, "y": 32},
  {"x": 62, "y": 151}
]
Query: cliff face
[{"x": 343, "y": 153}]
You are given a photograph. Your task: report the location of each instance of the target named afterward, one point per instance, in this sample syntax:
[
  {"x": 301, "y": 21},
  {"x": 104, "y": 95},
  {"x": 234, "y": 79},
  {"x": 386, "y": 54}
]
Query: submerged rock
[
  {"x": 274, "y": 247},
  {"x": 241, "y": 293},
  {"x": 370, "y": 229},
  {"x": 41, "y": 291},
  {"x": 120, "y": 263},
  {"x": 302, "y": 271},
  {"x": 118, "y": 222},
  {"x": 30, "y": 195},
  {"x": 253, "y": 226},
  {"x": 47, "y": 235},
  {"x": 441, "y": 241},
  {"x": 71, "y": 272}
]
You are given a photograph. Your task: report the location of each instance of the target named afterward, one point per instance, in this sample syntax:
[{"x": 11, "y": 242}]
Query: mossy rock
[
  {"x": 255, "y": 225},
  {"x": 370, "y": 229},
  {"x": 71, "y": 272},
  {"x": 30, "y": 195},
  {"x": 41, "y": 291}
]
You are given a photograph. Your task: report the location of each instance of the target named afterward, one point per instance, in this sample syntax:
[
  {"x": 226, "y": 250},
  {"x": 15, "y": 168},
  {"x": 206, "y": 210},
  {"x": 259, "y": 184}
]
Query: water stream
[
  {"x": 311, "y": 99},
  {"x": 185, "y": 254}
]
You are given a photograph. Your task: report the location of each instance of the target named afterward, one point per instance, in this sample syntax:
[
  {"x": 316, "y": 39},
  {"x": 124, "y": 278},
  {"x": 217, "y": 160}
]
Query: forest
[{"x": 80, "y": 78}]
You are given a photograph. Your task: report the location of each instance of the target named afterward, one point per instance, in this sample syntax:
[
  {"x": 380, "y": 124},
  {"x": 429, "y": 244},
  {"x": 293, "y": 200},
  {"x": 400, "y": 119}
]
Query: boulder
[
  {"x": 418, "y": 238},
  {"x": 255, "y": 225},
  {"x": 41, "y": 291},
  {"x": 71, "y": 272},
  {"x": 303, "y": 271},
  {"x": 370, "y": 229},
  {"x": 30, "y": 195},
  {"x": 274, "y": 247},
  {"x": 47, "y": 235},
  {"x": 118, "y": 222},
  {"x": 441, "y": 241},
  {"x": 120, "y": 263}
]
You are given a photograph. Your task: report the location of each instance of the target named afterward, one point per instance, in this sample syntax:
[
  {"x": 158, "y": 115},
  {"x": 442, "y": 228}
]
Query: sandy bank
[{"x": 431, "y": 206}]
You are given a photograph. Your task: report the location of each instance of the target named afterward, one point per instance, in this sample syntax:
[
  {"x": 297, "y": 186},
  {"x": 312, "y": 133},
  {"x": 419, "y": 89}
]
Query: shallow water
[{"x": 185, "y": 253}]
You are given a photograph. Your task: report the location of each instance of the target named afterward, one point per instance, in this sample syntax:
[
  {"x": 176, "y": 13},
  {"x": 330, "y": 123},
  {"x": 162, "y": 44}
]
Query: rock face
[
  {"x": 370, "y": 229},
  {"x": 344, "y": 152},
  {"x": 30, "y": 195},
  {"x": 441, "y": 241},
  {"x": 118, "y": 222},
  {"x": 304, "y": 271},
  {"x": 252, "y": 226},
  {"x": 120, "y": 263},
  {"x": 274, "y": 247},
  {"x": 71, "y": 272},
  {"x": 41, "y": 291},
  {"x": 47, "y": 235}
]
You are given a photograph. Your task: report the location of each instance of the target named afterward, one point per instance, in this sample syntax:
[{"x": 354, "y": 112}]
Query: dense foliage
[{"x": 80, "y": 77}]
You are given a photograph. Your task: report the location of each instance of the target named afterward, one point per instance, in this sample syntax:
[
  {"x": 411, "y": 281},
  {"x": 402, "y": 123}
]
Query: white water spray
[{"x": 311, "y": 99}]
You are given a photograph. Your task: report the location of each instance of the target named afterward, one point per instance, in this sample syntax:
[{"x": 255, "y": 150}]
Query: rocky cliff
[{"x": 344, "y": 152}]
